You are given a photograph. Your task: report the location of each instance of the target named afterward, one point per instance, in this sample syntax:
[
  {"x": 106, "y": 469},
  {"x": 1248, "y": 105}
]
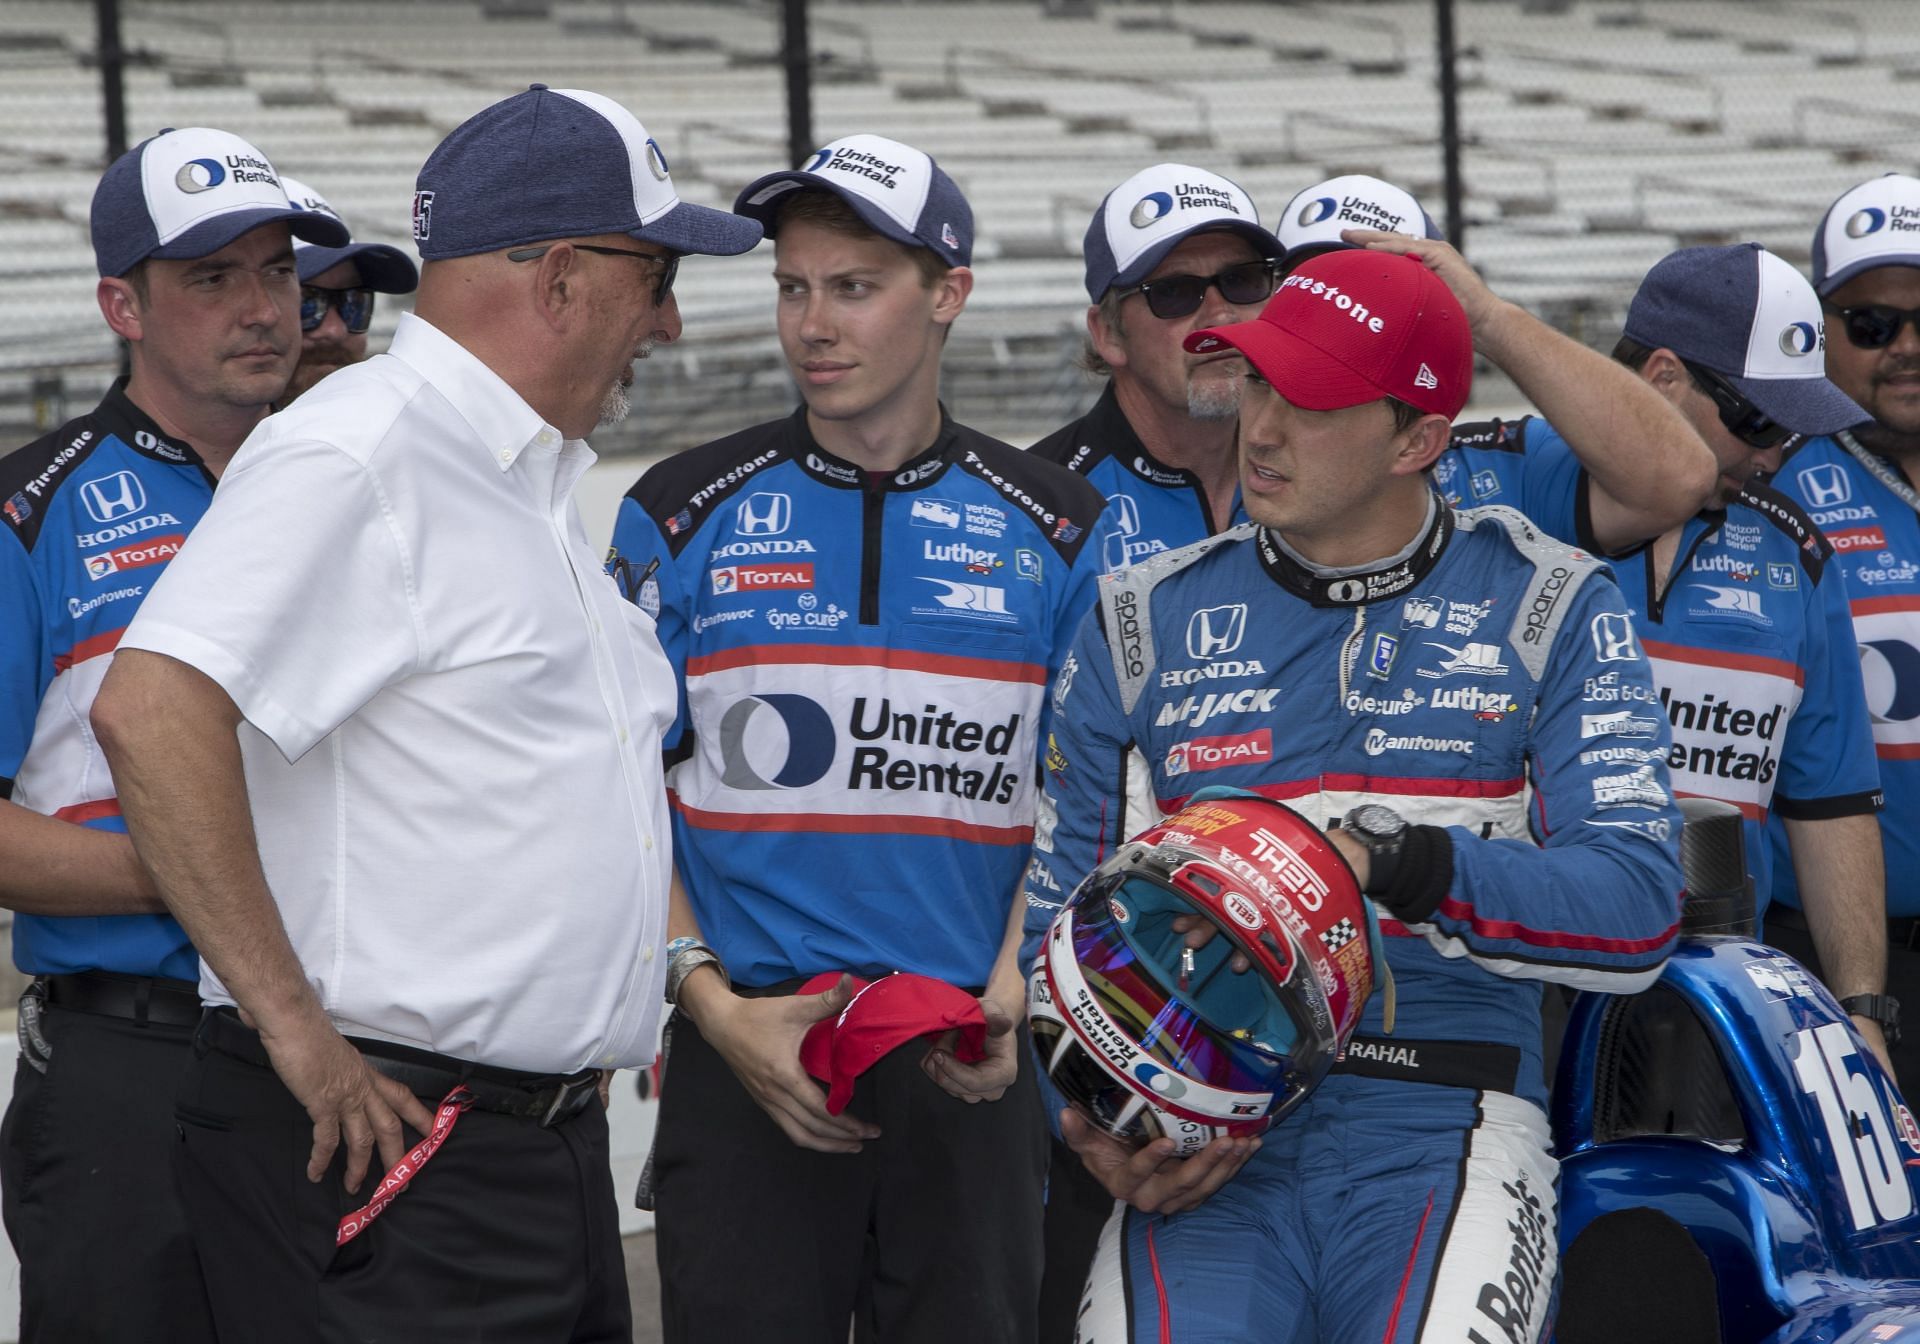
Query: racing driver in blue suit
[{"x": 1510, "y": 830}]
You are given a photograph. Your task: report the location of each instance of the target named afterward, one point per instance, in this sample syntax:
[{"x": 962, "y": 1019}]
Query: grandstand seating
[{"x": 1599, "y": 135}]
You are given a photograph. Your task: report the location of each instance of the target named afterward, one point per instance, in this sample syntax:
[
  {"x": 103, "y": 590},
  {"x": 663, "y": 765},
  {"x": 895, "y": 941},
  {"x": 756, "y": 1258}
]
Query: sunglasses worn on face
[
  {"x": 355, "y": 305},
  {"x": 1179, "y": 295},
  {"x": 1872, "y": 326},
  {"x": 669, "y": 264},
  {"x": 1745, "y": 421}
]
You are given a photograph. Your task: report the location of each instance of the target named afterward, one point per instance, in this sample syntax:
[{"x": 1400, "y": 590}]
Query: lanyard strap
[
  {"x": 1881, "y": 472},
  {"x": 406, "y": 1168}
]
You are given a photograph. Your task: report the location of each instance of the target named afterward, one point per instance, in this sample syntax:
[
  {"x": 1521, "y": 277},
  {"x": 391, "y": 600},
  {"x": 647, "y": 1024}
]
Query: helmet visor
[{"x": 1243, "y": 1041}]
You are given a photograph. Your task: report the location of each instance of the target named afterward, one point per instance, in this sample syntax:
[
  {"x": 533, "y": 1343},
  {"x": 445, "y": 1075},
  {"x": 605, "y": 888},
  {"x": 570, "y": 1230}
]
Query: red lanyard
[{"x": 406, "y": 1168}]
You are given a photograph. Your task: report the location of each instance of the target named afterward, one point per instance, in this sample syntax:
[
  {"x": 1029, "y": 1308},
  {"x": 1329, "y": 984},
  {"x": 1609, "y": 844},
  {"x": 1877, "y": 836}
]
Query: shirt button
[
  {"x": 506, "y": 454},
  {"x": 546, "y": 438},
  {"x": 646, "y": 953},
  {"x": 623, "y": 734},
  {"x": 646, "y": 842}
]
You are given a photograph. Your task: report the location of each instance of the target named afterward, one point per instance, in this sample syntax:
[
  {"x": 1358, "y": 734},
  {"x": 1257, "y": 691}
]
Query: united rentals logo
[
  {"x": 198, "y": 175},
  {"x": 1800, "y": 338}
]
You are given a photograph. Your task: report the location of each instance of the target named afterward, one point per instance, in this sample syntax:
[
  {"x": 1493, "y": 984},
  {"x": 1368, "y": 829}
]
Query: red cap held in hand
[{"x": 882, "y": 1016}]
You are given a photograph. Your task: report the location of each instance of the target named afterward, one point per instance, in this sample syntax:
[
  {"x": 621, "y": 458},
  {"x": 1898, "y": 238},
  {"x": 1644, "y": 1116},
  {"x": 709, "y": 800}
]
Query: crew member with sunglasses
[
  {"x": 337, "y": 285},
  {"x": 1172, "y": 249},
  {"x": 191, "y": 236},
  {"x": 1741, "y": 609},
  {"x": 1859, "y": 484}
]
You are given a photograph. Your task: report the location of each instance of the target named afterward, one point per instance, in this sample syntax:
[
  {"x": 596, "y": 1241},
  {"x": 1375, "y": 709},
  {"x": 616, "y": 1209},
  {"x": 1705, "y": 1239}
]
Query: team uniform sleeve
[
  {"x": 21, "y": 659},
  {"x": 1534, "y": 469},
  {"x": 1827, "y": 765},
  {"x": 1596, "y": 904},
  {"x": 1082, "y": 795},
  {"x": 643, "y": 566},
  {"x": 295, "y": 593}
]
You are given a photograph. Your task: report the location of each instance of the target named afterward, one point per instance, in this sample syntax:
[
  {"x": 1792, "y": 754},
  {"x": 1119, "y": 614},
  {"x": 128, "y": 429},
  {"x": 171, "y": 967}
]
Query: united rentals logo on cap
[
  {"x": 1875, "y": 224},
  {"x": 1748, "y": 315},
  {"x": 1154, "y": 211},
  {"x": 899, "y": 191},
  {"x": 1313, "y": 219},
  {"x": 186, "y": 194},
  {"x": 1354, "y": 326}
]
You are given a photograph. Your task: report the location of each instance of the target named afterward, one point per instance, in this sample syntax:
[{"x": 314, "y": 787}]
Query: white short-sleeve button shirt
[{"x": 453, "y": 728}]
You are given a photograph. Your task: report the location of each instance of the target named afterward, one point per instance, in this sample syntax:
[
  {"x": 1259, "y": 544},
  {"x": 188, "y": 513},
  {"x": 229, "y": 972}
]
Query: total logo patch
[
  {"x": 155, "y": 551},
  {"x": 1858, "y": 539},
  {"x": 759, "y": 578},
  {"x": 1213, "y": 753}
]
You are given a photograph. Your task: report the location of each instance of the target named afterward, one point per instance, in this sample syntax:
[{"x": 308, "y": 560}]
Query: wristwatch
[
  {"x": 684, "y": 957},
  {"x": 1881, "y": 1008},
  {"x": 1382, "y": 832}
]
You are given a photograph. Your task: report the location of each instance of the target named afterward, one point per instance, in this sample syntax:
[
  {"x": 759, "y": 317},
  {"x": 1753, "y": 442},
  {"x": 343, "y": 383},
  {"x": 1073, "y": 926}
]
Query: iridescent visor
[{"x": 1172, "y": 1033}]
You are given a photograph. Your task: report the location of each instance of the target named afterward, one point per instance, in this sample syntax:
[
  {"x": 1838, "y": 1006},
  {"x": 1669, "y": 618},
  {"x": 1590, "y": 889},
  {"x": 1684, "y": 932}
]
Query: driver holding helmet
[{"x": 1431, "y": 688}]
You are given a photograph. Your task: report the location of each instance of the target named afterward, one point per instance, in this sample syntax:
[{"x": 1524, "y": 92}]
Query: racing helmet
[{"x": 1149, "y": 1038}]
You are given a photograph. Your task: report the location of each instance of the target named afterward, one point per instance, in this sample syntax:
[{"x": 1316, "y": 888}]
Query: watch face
[{"x": 1376, "y": 820}]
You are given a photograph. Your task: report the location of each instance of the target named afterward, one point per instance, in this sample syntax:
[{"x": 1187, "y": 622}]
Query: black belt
[
  {"x": 1903, "y": 931},
  {"x": 1480, "y": 1065},
  {"x": 548, "y": 1098},
  {"x": 147, "y": 1000}
]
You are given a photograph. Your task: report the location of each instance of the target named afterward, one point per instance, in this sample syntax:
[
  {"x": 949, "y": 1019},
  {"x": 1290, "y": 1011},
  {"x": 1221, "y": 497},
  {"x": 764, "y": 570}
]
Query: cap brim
[
  {"x": 208, "y": 237},
  {"x": 1143, "y": 265},
  {"x": 1861, "y": 267},
  {"x": 1810, "y": 406},
  {"x": 767, "y": 211},
  {"x": 701, "y": 229},
  {"x": 386, "y": 270},
  {"x": 1303, "y": 373}
]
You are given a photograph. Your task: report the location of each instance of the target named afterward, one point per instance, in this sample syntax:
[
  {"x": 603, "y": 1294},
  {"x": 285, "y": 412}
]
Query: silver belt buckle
[{"x": 565, "y": 1098}]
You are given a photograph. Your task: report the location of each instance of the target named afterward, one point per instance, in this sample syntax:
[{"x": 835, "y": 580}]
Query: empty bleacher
[{"x": 1598, "y": 135}]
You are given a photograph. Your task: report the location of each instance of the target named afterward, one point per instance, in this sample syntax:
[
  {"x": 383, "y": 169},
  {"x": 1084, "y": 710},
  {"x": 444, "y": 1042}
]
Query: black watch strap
[{"x": 1881, "y": 1008}]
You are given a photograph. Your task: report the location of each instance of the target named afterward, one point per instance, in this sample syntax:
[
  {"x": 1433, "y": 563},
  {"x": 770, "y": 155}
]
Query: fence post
[
  {"x": 1450, "y": 123},
  {"x": 797, "y": 55}
]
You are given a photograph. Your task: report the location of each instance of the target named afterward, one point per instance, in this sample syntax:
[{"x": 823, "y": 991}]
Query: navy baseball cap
[
  {"x": 900, "y": 192},
  {"x": 1749, "y": 316},
  {"x": 1156, "y": 210},
  {"x": 1313, "y": 219},
  {"x": 182, "y": 195},
  {"x": 558, "y": 163},
  {"x": 1875, "y": 224},
  {"x": 386, "y": 270}
]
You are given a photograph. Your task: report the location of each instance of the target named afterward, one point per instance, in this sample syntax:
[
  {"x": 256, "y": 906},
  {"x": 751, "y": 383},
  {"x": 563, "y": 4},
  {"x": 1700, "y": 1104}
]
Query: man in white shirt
[{"x": 389, "y": 742}]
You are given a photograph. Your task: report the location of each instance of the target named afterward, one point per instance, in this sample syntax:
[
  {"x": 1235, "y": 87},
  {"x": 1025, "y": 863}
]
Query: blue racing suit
[
  {"x": 1412, "y": 1196},
  {"x": 863, "y": 664},
  {"x": 1751, "y": 643},
  {"x": 1156, "y": 507},
  {"x": 92, "y": 514},
  {"x": 1876, "y": 541}
]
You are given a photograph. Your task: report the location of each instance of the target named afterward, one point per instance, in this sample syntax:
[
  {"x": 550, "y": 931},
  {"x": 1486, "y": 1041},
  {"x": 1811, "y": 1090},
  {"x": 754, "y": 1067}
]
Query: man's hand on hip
[{"x": 346, "y": 1099}]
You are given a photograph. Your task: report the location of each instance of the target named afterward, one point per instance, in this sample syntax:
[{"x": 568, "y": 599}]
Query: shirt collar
[
  {"x": 1107, "y": 424},
  {"x": 139, "y": 431},
  {"x": 920, "y": 470},
  {"x": 502, "y": 422}
]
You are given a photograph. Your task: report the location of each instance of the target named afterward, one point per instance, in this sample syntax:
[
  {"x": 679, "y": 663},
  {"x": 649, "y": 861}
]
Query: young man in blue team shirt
[
  {"x": 1741, "y": 609},
  {"x": 1858, "y": 485},
  {"x": 866, "y": 601},
  {"x": 1469, "y": 786},
  {"x": 1172, "y": 249},
  {"x": 192, "y": 233}
]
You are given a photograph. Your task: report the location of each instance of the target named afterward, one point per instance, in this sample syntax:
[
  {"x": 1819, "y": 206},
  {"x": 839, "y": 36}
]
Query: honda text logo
[
  {"x": 765, "y": 514},
  {"x": 115, "y": 496},
  {"x": 1825, "y": 486},
  {"x": 1213, "y": 632}
]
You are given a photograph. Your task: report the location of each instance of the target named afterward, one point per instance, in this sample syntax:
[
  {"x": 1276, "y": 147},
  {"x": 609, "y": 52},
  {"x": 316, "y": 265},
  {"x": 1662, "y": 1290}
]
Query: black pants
[
  {"x": 86, "y": 1166},
  {"x": 1786, "y": 928},
  {"x": 933, "y": 1228},
  {"x": 510, "y": 1232}
]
